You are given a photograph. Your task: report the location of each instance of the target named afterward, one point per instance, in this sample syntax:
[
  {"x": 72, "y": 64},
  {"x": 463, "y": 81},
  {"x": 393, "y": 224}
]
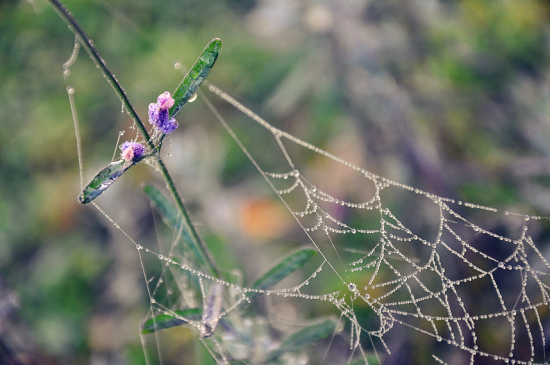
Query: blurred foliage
[{"x": 449, "y": 96}]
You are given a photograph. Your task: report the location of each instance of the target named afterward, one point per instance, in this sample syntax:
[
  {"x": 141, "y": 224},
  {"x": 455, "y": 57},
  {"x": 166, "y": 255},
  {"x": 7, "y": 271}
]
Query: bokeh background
[{"x": 452, "y": 97}]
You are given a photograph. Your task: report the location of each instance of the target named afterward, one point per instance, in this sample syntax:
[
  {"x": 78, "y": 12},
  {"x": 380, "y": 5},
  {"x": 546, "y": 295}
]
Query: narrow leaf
[
  {"x": 287, "y": 266},
  {"x": 304, "y": 337},
  {"x": 196, "y": 75},
  {"x": 164, "y": 321},
  {"x": 170, "y": 216},
  {"x": 212, "y": 310},
  {"x": 167, "y": 211},
  {"x": 103, "y": 180}
]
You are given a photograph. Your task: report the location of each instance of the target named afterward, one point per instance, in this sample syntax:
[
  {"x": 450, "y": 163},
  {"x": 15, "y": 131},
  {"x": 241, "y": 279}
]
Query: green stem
[{"x": 65, "y": 14}]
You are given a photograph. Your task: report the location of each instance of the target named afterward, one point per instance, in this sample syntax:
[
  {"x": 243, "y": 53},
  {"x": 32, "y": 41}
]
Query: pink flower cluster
[
  {"x": 132, "y": 150},
  {"x": 159, "y": 114}
]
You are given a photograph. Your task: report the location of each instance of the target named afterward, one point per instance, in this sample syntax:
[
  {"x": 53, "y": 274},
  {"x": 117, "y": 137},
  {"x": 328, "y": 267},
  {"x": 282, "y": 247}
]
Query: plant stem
[{"x": 66, "y": 15}]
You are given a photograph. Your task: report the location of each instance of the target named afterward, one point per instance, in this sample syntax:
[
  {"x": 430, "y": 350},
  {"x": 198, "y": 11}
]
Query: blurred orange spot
[{"x": 264, "y": 218}]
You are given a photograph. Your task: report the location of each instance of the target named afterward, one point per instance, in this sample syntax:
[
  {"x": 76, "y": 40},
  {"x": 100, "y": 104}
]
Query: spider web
[
  {"x": 464, "y": 281},
  {"x": 456, "y": 283}
]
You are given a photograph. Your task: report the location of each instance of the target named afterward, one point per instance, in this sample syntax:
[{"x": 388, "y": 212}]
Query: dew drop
[{"x": 177, "y": 65}]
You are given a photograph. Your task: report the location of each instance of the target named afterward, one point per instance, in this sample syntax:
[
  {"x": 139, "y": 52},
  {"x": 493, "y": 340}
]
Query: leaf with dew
[
  {"x": 103, "y": 179},
  {"x": 304, "y": 337},
  {"x": 196, "y": 75},
  {"x": 165, "y": 321},
  {"x": 287, "y": 266}
]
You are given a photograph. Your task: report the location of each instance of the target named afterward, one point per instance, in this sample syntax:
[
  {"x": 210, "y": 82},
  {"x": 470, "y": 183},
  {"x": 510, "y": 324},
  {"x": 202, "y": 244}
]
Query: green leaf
[
  {"x": 170, "y": 216},
  {"x": 103, "y": 180},
  {"x": 196, "y": 75},
  {"x": 287, "y": 266},
  {"x": 164, "y": 321},
  {"x": 167, "y": 211},
  {"x": 304, "y": 337}
]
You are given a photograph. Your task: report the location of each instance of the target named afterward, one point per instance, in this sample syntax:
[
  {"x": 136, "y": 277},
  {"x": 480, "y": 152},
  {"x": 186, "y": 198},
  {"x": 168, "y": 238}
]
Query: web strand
[{"x": 406, "y": 279}]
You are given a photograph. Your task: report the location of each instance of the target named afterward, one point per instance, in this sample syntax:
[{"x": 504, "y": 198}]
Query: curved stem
[{"x": 65, "y": 14}]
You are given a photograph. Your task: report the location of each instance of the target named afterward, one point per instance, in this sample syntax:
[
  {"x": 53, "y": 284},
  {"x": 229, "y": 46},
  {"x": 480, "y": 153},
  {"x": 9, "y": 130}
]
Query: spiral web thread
[{"x": 480, "y": 294}]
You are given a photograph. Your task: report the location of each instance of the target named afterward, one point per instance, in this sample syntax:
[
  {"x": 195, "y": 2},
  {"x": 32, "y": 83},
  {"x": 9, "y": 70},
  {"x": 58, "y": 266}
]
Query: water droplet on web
[
  {"x": 177, "y": 65},
  {"x": 193, "y": 98},
  {"x": 67, "y": 72},
  {"x": 70, "y": 90},
  {"x": 351, "y": 287}
]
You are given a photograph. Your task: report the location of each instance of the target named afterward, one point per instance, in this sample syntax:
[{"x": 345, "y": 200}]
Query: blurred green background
[{"x": 448, "y": 96}]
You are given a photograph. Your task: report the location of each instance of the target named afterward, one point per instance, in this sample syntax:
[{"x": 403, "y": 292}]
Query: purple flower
[
  {"x": 159, "y": 113},
  {"x": 132, "y": 150},
  {"x": 169, "y": 126}
]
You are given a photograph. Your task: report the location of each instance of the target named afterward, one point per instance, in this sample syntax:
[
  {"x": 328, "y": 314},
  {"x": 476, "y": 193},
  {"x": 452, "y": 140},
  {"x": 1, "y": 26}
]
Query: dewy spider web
[
  {"x": 449, "y": 284},
  {"x": 424, "y": 283}
]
